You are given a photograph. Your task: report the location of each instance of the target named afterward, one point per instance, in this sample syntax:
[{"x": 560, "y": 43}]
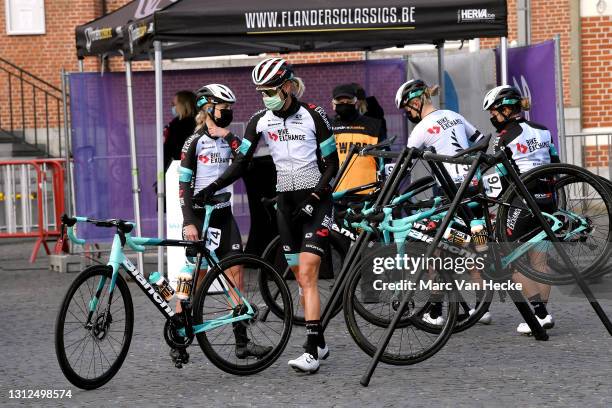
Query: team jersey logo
[
  {"x": 273, "y": 136},
  {"x": 323, "y": 232},
  {"x": 521, "y": 148},
  {"x": 204, "y": 159},
  {"x": 434, "y": 130}
]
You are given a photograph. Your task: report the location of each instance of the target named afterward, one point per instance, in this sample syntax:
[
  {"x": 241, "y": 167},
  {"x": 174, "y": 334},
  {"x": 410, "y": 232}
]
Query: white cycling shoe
[
  {"x": 547, "y": 323},
  {"x": 485, "y": 319},
  {"x": 306, "y": 363},
  {"x": 434, "y": 321},
  {"x": 323, "y": 352}
]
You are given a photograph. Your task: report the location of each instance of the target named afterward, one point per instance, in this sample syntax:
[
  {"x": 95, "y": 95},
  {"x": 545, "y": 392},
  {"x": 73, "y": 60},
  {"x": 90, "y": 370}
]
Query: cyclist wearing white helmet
[
  {"x": 527, "y": 145},
  {"x": 448, "y": 133},
  {"x": 303, "y": 148},
  {"x": 205, "y": 156}
]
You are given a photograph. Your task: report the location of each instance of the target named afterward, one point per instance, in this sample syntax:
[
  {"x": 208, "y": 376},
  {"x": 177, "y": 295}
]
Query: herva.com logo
[{"x": 475, "y": 16}]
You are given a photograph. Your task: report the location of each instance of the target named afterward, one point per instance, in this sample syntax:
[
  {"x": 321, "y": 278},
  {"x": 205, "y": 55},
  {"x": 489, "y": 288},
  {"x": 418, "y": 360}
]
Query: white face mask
[{"x": 274, "y": 103}]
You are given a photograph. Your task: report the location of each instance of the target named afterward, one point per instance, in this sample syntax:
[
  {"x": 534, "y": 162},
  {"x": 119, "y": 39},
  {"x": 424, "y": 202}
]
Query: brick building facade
[{"x": 585, "y": 27}]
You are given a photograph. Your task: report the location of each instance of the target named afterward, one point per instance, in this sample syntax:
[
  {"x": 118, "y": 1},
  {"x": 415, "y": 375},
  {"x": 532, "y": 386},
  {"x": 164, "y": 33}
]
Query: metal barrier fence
[
  {"x": 591, "y": 151},
  {"x": 31, "y": 200}
]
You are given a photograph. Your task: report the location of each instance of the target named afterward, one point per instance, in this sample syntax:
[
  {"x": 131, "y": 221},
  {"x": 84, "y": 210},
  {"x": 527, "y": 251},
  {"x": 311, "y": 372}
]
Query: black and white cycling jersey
[
  {"x": 301, "y": 143},
  {"x": 527, "y": 145},
  {"x": 203, "y": 160},
  {"x": 449, "y": 133}
]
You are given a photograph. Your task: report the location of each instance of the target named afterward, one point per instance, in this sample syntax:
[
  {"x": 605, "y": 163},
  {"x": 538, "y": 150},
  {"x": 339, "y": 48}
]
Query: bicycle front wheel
[
  {"x": 369, "y": 312},
  {"x": 93, "y": 330},
  {"x": 240, "y": 336}
]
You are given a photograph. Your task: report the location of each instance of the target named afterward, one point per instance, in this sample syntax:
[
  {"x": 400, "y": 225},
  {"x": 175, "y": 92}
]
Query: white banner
[{"x": 468, "y": 76}]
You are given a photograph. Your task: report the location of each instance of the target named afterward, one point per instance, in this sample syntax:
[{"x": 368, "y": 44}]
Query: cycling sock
[
  {"x": 539, "y": 307},
  {"x": 314, "y": 332}
]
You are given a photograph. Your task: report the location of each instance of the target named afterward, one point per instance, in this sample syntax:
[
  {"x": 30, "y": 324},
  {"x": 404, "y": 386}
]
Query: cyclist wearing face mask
[
  {"x": 352, "y": 128},
  {"x": 448, "y": 133},
  {"x": 303, "y": 148},
  {"x": 205, "y": 156},
  {"x": 528, "y": 145}
]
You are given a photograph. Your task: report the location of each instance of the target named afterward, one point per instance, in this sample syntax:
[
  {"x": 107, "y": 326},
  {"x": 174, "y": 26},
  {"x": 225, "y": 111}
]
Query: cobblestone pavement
[{"x": 484, "y": 366}]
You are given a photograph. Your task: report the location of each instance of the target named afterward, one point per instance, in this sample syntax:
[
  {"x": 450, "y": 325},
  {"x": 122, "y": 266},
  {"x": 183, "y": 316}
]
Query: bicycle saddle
[{"x": 481, "y": 146}]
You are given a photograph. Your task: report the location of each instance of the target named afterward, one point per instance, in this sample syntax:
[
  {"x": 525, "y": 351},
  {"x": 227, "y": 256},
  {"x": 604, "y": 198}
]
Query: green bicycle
[{"x": 95, "y": 323}]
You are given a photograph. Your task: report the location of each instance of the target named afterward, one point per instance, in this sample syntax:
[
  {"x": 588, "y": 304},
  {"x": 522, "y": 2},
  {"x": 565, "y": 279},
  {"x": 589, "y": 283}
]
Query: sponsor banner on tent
[
  {"x": 467, "y": 77},
  {"x": 107, "y": 33},
  {"x": 532, "y": 70},
  {"x": 239, "y": 27}
]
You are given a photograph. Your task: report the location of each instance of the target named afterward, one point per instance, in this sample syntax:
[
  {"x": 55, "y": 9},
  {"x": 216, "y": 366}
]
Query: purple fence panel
[{"x": 100, "y": 138}]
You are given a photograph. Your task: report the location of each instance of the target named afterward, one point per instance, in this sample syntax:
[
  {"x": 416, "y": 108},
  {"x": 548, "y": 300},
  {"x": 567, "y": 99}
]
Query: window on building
[{"x": 25, "y": 17}]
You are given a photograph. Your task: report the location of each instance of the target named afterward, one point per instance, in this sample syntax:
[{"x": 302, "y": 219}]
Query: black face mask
[
  {"x": 499, "y": 126},
  {"x": 346, "y": 111},
  {"x": 227, "y": 115}
]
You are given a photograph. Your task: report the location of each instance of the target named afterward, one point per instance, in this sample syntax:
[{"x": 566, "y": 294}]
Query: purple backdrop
[
  {"x": 100, "y": 139},
  {"x": 532, "y": 70}
]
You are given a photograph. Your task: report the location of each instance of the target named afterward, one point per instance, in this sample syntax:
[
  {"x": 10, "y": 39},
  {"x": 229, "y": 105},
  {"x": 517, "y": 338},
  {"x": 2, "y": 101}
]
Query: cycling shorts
[
  {"x": 520, "y": 222},
  {"x": 223, "y": 236},
  {"x": 305, "y": 234}
]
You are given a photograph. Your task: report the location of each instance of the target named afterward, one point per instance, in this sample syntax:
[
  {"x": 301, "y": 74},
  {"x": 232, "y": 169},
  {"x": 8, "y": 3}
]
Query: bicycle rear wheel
[
  {"x": 90, "y": 354},
  {"x": 368, "y": 315},
  {"x": 273, "y": 254},
  {"x": 583, "y": 204},
  {"x": 219, "y": 298}
]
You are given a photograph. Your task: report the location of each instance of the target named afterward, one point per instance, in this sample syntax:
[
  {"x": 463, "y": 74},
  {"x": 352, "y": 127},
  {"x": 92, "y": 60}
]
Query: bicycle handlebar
[
  {"x": 384, "y": 143},
  {"x": 122, "y": 225}
]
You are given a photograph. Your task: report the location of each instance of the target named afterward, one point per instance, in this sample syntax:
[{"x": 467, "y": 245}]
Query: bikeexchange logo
[{"x": 475, "y": 16}]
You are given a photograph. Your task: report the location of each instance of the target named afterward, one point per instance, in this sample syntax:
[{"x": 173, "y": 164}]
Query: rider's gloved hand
[
  {"x": 307, "y": 207},
  {"x": 206, "y": 193},
  {"x": 190, "y": 232}
]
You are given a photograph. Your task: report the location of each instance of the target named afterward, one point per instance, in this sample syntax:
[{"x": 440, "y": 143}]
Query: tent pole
[
  {"x": 81, "y": 67},
  {"x": 159, "y": 127},
  {"x": 134, "y": 159},
  {"x": 503, "y": 51},
  {"x": 442, "y": 100},
  {"x": 560, "y": 105}
]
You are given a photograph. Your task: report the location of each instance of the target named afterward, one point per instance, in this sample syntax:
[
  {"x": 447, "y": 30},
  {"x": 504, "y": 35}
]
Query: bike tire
[
  {"x": 364, "y": 342},
  {"x": 60, "y": 325},
  {"x": 576, "y": 175},
  {"x": 207, "y": 340},
  {"x": 273, "y": 254}
]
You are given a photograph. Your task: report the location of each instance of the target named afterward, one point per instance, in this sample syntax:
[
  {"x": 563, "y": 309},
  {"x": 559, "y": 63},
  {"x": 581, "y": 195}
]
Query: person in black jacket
[{"x": 180, "y": 127}]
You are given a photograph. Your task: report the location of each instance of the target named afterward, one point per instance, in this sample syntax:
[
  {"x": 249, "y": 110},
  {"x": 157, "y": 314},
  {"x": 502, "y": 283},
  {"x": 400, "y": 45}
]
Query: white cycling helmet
[
  {"x": 271, "y": 73},
  {"x": 409, "y": 90},
  {"x": 214, "y": 93},
  {"x": 500, "y": 96}
]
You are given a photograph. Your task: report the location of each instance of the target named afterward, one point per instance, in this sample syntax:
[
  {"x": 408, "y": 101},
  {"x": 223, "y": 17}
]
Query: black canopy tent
[
  {"x": 189, "y": 27},
  {"x": 194, "y": 28},
  {"x": 105, "y": 35}
]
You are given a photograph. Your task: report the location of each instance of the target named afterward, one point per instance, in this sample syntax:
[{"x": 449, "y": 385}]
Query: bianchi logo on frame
[{"x": 475, "y": 16}]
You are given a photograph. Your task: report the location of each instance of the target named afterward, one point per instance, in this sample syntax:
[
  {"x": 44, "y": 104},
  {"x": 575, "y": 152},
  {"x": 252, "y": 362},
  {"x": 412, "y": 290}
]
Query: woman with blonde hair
[
  {"x": 206, "y": 155},
  {"x": 303, "y": 149}
]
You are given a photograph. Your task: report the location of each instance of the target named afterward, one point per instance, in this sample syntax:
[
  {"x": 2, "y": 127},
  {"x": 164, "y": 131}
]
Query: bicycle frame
[
  {"x": 474, "y": 161},
  {"x": 118, "y": 260}
]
